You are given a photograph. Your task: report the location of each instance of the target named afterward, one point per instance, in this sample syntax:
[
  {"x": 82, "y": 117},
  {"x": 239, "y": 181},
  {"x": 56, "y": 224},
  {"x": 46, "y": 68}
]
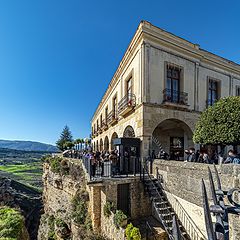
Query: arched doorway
[
  {"x": 129, "y": 132},
  {"x": 106, "y": 144},
  {"x": 114, "y": 135},
  {"x": 172, "y": 136},
  {"x": 101, "y": 145}
]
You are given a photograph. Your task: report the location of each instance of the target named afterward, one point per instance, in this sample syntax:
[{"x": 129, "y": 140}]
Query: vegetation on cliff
[{"x": 11, "y": 224}]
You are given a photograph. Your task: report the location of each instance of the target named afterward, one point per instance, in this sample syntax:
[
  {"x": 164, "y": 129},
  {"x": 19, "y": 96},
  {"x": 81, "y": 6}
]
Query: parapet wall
[{"x": 183, "y": 180}]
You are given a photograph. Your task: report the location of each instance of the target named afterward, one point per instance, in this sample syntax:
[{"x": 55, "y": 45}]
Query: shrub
[
  {"x": 88, "y": 223},
  {"x": 128, "y": 231},
  {"x": 132, "y": 233},
  {"x": 79, "y": 205},
  {"x": 60, "y": 223},
  {"x": 11, "y": 223},
  {"x": 119, "y": 218},
  {"x": 51, "y": 232},
  {"x": 135, "y": 234},
  {"x": 55, "y": 163},
  {"x": 108, "y": 208}
]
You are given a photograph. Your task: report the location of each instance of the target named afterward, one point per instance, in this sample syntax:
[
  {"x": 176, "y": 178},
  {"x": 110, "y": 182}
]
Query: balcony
[
  {"x": 104, "y": 125},
  {"x": 126, "y": 104},
  {"x": 172, "y": 97},
  {"x": 112, "y": 118}
]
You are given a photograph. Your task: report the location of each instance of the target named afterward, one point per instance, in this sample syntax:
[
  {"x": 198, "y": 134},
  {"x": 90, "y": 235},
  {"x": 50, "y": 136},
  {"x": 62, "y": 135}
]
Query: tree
[
  {"x": 66, "y": 136},
  {"x": 219, "y": 124},
  {"x": 68, "y": 145}
]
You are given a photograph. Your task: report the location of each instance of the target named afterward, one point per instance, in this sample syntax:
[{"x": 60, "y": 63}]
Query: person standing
[{"x": 192, "y": 156}]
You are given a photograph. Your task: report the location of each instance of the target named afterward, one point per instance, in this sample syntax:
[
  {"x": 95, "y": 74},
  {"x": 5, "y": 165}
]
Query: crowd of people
[
  {"x": 97, "y": 160},
  {"x": 200, "y": 156}
]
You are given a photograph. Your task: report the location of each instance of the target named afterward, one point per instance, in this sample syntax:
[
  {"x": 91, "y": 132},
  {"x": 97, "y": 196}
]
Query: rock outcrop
[{"x": 26, "y": 199}]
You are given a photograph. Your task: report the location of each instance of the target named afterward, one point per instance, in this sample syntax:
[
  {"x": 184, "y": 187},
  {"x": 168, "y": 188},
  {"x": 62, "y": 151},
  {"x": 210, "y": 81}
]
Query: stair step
[{"x": 168, "y": 214}]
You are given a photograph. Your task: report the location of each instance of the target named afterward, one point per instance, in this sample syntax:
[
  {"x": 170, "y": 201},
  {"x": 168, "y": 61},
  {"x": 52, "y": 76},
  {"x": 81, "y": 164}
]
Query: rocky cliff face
[
  {"x": 27, "y": 200},
  {"x": 65, "y": 202}
]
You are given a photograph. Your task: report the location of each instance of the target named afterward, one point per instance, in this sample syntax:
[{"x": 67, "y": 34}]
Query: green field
[{"x": 23, "y": 167}]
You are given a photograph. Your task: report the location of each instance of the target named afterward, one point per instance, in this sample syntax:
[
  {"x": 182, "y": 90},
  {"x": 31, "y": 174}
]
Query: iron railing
[
  {"x": 173, "y": 96},
  {"x": 106, "y": 169},
  {"x": 112, "y": 116},
  {"x": 189, "y": 225},
  {"x": 128, "y": 101}
]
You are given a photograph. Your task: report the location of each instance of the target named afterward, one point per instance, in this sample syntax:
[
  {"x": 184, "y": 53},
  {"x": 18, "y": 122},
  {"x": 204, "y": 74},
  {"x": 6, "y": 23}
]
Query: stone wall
[{"x": 183, "y": 180}]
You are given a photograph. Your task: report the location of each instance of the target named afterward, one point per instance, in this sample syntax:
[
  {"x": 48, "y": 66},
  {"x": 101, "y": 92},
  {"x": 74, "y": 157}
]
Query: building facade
[{"x": 162, "y": 84}]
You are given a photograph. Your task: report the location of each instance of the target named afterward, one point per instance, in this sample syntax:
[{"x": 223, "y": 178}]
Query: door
[{"x": 123, "y": 198}]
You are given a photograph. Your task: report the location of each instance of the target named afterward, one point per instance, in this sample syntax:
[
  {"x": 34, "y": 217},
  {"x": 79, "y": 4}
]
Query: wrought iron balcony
[
  {"x": 175, "y": 97},
  {"x": 127, "y": 103},
  {"x": 112, "y": 117},
  {"x": 104, "y": 124}
]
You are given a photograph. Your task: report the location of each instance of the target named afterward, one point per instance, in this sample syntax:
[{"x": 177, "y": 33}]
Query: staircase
[
  {"x": 162, "y": 209},
  {"x": 157, "y": 143}
]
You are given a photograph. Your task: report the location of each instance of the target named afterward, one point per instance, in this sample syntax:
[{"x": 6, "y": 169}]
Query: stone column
[{"x": 95, "y": 206}]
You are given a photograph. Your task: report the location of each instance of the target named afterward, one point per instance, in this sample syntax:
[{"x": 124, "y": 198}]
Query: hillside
[{"x": 27, "y": 146}]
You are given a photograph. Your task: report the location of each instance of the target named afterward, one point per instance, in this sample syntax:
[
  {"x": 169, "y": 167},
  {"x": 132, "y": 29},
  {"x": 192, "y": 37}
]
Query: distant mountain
[{"x": 27, "y": 146}]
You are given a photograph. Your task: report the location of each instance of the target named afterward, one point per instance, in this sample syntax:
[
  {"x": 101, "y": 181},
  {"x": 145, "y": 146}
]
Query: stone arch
[
  {"x": 114, "y": 135},
  {"x": 172, "y": 136},
  {"x": 106, "y": 143},
  {"x": 129, "y": 132},
  {"x": 101, "y": 145}
]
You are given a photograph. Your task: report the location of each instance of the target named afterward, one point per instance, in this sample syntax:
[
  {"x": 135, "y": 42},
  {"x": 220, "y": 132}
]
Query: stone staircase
[
  {"x": 163, "y": 211},
  {"x": 157, "y": 144}
]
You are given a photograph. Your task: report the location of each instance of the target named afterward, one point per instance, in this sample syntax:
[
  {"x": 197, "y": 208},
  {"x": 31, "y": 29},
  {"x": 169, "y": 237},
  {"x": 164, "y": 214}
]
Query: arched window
[{"x": 129, "y": 132}]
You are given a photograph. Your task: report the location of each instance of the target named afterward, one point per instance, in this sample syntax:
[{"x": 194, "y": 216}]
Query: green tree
[
  {"x": 66, "y": 136},
  {"x": 68, "y": 145},
  {"x": 219, "y": 124}
]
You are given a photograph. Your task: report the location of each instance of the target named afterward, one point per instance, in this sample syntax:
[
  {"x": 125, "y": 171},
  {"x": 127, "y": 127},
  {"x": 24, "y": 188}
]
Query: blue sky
[{"x": 57, "y": 57}]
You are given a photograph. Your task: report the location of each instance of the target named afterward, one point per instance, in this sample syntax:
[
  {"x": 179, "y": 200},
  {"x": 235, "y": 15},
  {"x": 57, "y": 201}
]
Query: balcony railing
[
  {"x": 127, "y": 103},
  {"x": 112, "y": 117},
  {"x": 176, "y": 97},
  {"x": 104, "y": 124}
]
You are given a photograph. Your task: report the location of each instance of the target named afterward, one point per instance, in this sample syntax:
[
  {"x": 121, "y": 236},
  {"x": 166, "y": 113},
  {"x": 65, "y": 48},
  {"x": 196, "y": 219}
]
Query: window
[
  {"x": 97, "y": 125},
  {"x": 212, "y": 92},
  {"x": 115, "y": 106},
  {"x": 173, "y": 83},
  {"x": 101, "y": 120},
  {"x": 106, "y": 113},
  {"x": 238, "y": 91},
  {"x": 129, "y": 87}
]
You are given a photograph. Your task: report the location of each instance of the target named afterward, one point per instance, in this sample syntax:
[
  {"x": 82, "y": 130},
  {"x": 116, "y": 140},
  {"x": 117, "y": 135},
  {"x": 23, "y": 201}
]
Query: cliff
[
  {"x": 18, "y": 196},
  {"x": 66, "y": 202}
]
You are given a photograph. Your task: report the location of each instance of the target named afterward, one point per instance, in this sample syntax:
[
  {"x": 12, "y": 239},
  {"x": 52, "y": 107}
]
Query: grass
[{"x": 29, "y": 174}]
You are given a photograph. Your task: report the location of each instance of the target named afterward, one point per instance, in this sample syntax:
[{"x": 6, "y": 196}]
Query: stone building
[{"x": 161, "y": 85}]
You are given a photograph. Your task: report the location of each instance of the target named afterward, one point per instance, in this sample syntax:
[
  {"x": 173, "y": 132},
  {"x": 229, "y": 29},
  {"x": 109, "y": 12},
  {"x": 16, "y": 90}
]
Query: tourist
[
  {"x": 232, "y": 157},
  {"x": 114, "y": 162},
  {"x": 93, "y": 162},
  {"x": 191, "y": 156}
]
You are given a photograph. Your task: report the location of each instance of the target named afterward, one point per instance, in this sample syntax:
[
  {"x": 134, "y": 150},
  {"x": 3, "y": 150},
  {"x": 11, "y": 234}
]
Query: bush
[
  {"x": 55, "y": 164},
  {"x": 11, "y": 223},
  {"x": 60, "y": 223},
  {"x": 51, "y": 232},
  {"x": 128, "y": 231},
  {"x": 132, "y": 233},
  {"x": 108, "y": 208},
  {"x": 79, "y": 205},
  {"x": 119, "y": 218},
  {"x": 135, "y": 234}
]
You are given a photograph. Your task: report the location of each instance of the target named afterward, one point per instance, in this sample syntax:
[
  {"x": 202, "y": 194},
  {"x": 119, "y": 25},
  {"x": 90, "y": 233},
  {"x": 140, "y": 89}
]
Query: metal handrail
[
  {"x": 190, "y": 226},
  {"x": 148, "y": 227},
  {"x": 167, "y": 211},
  {"x": 129, "y": 100},
  {"x": 174, "y": 96}
]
